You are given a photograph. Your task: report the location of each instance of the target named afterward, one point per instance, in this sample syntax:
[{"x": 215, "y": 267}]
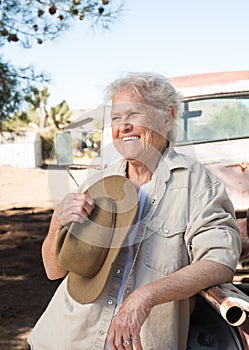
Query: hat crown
[
  {"x": 83, "y": 251},
  {"x": 88, "y": 250}
]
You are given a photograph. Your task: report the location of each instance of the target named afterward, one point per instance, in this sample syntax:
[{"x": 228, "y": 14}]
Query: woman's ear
[{"x": 170, "y": 118}]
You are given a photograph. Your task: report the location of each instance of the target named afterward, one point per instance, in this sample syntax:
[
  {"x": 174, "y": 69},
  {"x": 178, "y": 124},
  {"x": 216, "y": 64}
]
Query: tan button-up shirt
[{"x": 187, "y": 217}]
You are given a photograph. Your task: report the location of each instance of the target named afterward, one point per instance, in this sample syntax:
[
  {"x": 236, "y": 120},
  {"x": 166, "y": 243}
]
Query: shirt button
[
  {"x": 101, "y": 332},
  {"x": 118, "y": 271},
  {"x": 127, "y": 291},
  {"x": 166, "y": 231},
  {"x": 110, "y": 302}
]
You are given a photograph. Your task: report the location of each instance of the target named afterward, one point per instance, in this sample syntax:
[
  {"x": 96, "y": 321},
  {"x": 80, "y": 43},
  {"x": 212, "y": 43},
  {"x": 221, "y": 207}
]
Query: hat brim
[{"x": 86, "y": 290}]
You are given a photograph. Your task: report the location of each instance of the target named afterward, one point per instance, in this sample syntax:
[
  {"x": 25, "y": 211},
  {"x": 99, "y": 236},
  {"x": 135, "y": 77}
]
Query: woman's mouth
[{"x": 129, "y": 138}]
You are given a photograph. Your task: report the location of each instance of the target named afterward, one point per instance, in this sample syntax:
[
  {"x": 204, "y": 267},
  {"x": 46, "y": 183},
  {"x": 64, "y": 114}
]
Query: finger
[
  {"x": 77, "y": 199},
  {"x": 72, "y": 214},
  {"x": 127, "y": 343},
  {"x": 87, "y": 209},
  {"x": 136, "y": 342},
  {"x": 85, "y": 202},
  {"x": 123, "y": 340},
  {"x": 126, "y": 339},
  {"x": 76, "y": 218},
  {"x": 119, "y": 344},
  {"x": 81, "y": 197},
  {"x": 111, "y": 340},
  {"x": 82, "y": 213}
]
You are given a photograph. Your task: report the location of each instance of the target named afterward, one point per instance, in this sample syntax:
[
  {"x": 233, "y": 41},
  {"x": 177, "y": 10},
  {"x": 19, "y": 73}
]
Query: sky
[{"x": 171, "y": 37}]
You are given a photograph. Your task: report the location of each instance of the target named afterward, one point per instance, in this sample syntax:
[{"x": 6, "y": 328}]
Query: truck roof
[{"x": 207, "y": 85}]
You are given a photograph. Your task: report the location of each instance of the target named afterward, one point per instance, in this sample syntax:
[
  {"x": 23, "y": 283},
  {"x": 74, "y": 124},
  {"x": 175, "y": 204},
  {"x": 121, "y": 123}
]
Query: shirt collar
[{"x": 169, "y": 161}]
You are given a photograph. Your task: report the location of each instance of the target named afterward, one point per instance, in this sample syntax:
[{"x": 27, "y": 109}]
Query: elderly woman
[{"x": 186, "y": 238}]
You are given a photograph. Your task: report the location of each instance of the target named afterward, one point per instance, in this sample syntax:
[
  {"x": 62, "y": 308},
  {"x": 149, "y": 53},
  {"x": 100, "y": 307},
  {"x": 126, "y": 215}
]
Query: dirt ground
[{"x": 25, "y": 212}]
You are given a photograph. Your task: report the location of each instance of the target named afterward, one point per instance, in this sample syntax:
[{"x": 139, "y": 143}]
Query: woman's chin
[
  {"x": 128, "y": 152},
  {"x": 133, "y": 156},
  {"x": 132, "y": 152}
]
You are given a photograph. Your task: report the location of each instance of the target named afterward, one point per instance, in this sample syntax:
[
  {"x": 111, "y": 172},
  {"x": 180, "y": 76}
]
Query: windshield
[{"x": 214, "y": 119}]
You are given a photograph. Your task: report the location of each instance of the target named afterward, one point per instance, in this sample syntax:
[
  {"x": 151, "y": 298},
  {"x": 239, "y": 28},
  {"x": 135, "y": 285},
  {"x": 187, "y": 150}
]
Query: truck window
[{"x": 214, "y": 119}]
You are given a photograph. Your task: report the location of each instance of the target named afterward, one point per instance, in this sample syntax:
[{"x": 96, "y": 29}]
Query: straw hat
[{"x": 88, "y": 250}]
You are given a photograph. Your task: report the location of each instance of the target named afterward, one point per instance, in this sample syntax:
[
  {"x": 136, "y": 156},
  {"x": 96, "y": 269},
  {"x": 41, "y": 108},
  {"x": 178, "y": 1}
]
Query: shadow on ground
[{"x": 25, "y": 290}]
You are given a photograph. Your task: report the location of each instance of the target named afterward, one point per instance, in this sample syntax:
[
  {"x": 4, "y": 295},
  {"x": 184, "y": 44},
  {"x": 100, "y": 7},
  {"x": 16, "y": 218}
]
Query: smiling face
[{"x": 138, "y": 131}]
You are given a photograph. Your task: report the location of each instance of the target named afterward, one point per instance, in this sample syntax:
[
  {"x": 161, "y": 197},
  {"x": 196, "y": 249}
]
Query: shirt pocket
[{"x": 165, "y": 249}]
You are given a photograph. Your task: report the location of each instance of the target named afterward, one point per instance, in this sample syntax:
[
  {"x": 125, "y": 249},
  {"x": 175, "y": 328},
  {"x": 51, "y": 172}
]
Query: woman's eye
[
  {"x": 133, "y": 114},
  {"x": 129, "y": 117}
]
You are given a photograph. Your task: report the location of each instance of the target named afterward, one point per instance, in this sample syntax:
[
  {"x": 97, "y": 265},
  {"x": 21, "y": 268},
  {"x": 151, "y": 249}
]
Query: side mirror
[{"x": 63, "y": 148}]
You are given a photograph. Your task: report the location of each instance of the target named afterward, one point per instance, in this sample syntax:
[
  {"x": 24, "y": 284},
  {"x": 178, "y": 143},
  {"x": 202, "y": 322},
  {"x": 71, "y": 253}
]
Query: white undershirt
[{"x": 142, "y": 197}]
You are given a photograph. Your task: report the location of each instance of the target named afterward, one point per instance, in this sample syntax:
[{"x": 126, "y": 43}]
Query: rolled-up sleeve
[{"x": 212, "y": 231}]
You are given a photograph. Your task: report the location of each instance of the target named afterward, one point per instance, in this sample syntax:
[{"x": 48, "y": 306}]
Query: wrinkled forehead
[
  {"x": 126, "y": 96},
  {"x": 125, "y": 101}
]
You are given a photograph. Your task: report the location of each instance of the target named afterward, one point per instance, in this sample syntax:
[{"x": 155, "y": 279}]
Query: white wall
[{"x": 23, "y": 151}]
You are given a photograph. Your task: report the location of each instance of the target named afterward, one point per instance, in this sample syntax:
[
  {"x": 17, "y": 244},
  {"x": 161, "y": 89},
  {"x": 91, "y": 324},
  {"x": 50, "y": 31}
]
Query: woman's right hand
[{"x": 75, "y": 207}]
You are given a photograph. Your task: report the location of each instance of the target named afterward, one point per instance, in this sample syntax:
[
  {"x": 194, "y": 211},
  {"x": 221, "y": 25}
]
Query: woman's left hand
[{"x": 126, "y": 324}]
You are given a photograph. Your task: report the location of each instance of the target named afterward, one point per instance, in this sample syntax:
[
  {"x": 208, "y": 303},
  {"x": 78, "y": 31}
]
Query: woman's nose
[{"x": 125, "y": 126}]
